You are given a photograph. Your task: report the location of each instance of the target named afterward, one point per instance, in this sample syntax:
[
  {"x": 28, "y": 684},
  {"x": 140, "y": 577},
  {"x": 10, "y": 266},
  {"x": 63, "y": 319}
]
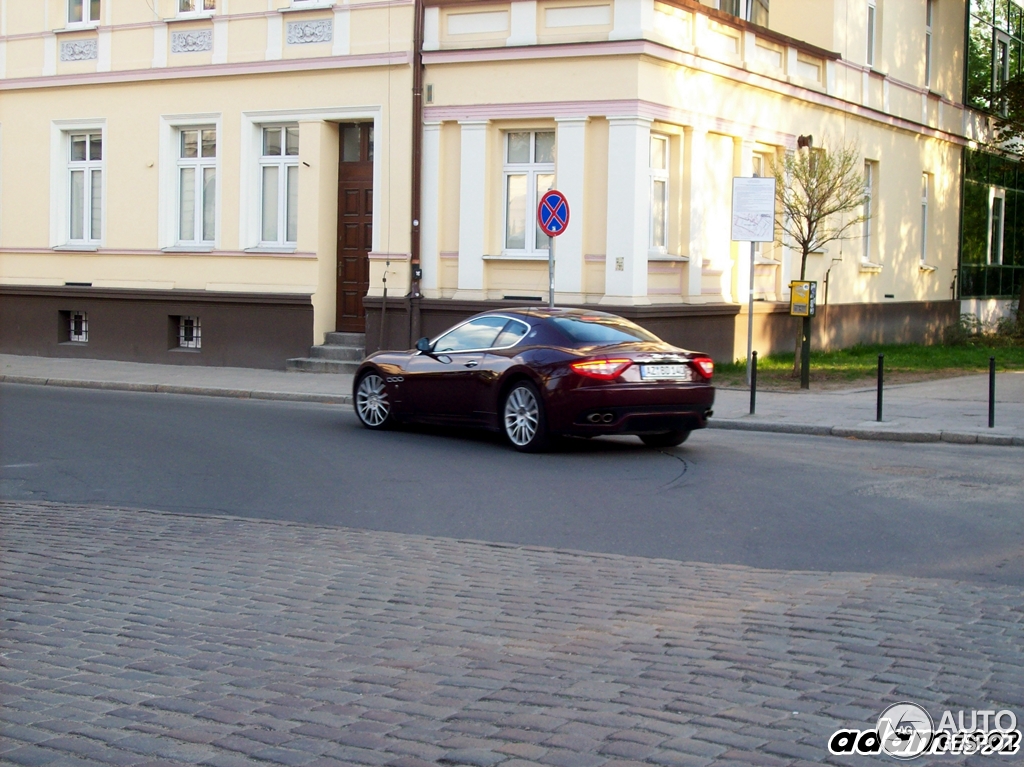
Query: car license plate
[{"x": 671, "y": 372}]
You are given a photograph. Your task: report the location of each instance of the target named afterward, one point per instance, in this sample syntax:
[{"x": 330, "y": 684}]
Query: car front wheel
[
  {"x": 373, "y": 408},
  {"x": 665, "y": 439},
  {"x": 522, "y": 418}
]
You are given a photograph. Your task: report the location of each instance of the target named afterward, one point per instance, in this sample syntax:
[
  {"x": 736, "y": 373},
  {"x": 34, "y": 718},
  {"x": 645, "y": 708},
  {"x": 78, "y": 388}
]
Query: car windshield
[{"x": 602, "y": 330}]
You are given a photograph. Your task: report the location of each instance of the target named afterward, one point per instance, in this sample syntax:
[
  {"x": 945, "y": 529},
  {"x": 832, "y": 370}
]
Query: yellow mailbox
[{"x": 802, "y": 298}]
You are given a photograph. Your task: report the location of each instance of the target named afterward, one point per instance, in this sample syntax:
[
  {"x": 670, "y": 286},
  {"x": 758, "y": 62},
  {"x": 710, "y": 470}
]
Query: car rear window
[{"x": 602, "y": 330}]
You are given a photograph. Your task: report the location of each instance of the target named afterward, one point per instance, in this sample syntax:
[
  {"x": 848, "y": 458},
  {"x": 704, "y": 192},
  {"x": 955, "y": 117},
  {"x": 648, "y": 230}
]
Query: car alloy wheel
[
  {"x": 523, "y": 418},
  {"x": 372, "y": 405}
]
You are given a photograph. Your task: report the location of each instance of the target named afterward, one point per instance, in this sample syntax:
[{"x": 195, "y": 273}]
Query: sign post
[
  {"x": 803, "y": 302},
  {"x": 753, "y": 220},
  {"x": 553, "y": 217}
]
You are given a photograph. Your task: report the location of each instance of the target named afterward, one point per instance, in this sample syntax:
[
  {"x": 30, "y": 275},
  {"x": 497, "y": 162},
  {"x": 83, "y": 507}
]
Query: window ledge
[
  {"x": 870, "y": 267},
  {"x": 667, "y": 257},
  {"x": 89, "y": 26},
  {"x": 517, "y": 257},
  {"x": 314, "y": 5},
  {"x": 926, "y": 267},
  {"x": 272, "y": 249},
  {"x": 188, "y": 249},
  {"x": 205, "y": 16},
  {"x": 82, "y": 248}
]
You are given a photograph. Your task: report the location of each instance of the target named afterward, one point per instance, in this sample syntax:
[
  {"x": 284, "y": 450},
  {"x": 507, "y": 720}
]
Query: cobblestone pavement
[{"x": 134, "y": 637}]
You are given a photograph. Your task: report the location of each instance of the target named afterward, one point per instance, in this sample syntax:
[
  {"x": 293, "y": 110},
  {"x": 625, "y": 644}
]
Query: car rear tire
[
  {"x": 666, "y": 438},
  {"x": 373, "y": 408},
  {"x": 522, "y": 418}
]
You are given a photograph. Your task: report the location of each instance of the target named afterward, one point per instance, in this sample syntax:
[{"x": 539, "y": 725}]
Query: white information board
[{"x": 753, "y": 209}]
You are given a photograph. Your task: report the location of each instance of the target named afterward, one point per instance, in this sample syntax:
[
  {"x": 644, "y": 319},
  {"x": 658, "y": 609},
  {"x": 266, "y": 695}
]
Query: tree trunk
[
  {"x": 799, "y": 327},
  {"x": 1020, "y": 310}
]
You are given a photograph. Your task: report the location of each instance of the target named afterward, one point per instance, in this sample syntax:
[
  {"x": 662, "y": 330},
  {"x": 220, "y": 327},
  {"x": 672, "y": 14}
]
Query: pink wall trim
[
  {"x": 395, "y": 58},
  {"x": 375, "y": 256},
  {"x": 655, "y": 50},
  {"x": 449, "y": 254},
  {"x": 594, "y": 258},
  {"x": 299, "y": 254}
]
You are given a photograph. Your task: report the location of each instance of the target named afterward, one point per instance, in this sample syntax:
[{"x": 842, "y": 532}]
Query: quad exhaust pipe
[{"x": 601, "y": 417}]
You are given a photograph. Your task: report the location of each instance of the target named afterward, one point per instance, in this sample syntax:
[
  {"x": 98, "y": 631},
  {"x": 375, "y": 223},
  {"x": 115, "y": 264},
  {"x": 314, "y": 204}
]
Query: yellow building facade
[{"x": 239, "y": 173}]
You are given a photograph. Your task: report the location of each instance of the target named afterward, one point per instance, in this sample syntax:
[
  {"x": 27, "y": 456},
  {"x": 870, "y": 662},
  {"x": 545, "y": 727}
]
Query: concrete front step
[
  {"x": 345, "y": 339},
  {"x": 320, "y": 365},
  {"x": 343, "y": 353}
]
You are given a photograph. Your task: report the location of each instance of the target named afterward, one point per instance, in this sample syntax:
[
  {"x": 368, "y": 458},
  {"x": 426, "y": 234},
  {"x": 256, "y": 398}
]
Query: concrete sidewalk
[{"x": 950, "y": 410}]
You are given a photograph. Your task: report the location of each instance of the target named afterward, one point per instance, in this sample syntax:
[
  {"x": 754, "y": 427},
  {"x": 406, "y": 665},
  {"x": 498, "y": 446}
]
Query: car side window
[
  {"x": 475, "y": 334},
  {"x": 510, "y": 334}
]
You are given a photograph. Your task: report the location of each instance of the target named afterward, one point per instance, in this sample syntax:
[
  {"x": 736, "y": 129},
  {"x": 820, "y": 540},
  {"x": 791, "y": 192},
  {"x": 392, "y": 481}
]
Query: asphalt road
[{"x": 774, "y": 501}]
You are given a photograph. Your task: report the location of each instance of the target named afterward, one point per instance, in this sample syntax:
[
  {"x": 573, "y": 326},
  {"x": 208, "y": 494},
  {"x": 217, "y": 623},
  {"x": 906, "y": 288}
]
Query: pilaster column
[
  {"x": 523, "y": 23},
  {"x": 472, "y": 207},
  {"x": 569, "y": 180},
  {"x": 341, "y": 45},
  {"x": 430, "y": 205},
  {"x": 629, "y": 140},
  {"x": 275, "y": 36},
  {"x": 220, "y": 40},
  {"x": 695, "y": 189},
  {"x": 631, "y": 18}
]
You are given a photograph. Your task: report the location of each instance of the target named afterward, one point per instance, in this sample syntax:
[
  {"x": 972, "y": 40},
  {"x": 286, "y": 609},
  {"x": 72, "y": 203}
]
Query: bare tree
[{"x": 817, "y": 189}]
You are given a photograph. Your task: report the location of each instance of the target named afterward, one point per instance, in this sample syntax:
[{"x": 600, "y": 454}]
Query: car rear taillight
[
  {"x": 606, "y": 370},
  {"x": 705, "y": 365}
]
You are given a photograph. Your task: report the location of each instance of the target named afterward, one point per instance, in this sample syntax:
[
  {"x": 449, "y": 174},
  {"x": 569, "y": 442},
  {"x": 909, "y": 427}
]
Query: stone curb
[
  {"x": 205, "y": 391},
  {"x": 959, "y": 438}
]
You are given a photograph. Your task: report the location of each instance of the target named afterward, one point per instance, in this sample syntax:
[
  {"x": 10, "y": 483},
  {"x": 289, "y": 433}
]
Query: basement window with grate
[{"x": 189, "y": 333}]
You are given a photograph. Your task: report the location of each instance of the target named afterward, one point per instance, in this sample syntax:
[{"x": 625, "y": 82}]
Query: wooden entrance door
[{"x": 355, "y": 224}]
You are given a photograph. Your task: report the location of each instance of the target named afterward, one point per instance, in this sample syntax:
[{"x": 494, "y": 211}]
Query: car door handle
[{"x": 472, "y": 364}]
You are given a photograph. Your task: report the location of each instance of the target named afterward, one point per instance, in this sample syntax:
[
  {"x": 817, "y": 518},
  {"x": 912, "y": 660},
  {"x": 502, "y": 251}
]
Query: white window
[
  {"x": 190, "y": 335},
  {"x": 869, "y": 195},
  {"x": 872, "y": 24},
  {"x": 929, "y": 15},
  {"x": 529, "y": 172},
  {"x": 196, "y": 6},
  {"x": 925, "y": 192},
  {"x": 83, "y": 11},
  {"x": 78, "y": 327},
  {"x": 85, "y": 187},
  {"x": 279, "y": 186},
  {"x": 996, "y": 220},
  {"x": 197, "y": 185},
  {"x": 659, "y": 194}
]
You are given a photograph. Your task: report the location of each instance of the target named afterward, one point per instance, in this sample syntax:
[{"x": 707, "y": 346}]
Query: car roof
[{"x": 543, "y": 312}]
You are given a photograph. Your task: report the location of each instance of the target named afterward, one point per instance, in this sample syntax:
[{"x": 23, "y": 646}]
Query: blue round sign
[{"x": 553, "y": 213}]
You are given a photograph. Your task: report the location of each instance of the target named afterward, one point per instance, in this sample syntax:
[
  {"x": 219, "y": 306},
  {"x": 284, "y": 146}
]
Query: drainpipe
[{"x": 417, "y": 170}]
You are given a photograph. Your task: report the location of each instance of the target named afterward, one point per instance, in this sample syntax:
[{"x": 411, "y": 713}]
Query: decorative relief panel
[
  {"x": 319, "y": 31},
  {"x": 78, "y": 50},
  {"x": 194, "y": 41}
]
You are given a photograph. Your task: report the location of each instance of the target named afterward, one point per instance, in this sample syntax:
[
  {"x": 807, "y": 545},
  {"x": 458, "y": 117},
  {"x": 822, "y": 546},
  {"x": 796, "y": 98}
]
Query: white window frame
[
  {"x": 251, "y": 149},
  {"x": 167, "y": 226},
  {"x": 872, "y": 29},
  {"x": 60, "y": 183},
  {"x": 199, "y": 164},
  {"x": 929, "y": 17},
  {"x": 283, "y": 162},
  {"x": 926, "y": 187},
  {"x": 994, "y": 246},
  {"x": 656, "y": 175},
  {"x": 78, "y": 338},
  {"x": 870, "y": 173},
  {"x": 196, "y": 342},
  {"x": 200, "y": 8},
  {"x": 531, "y": 170},
  {"x": 87, "y": 168},
  {"x": 87, "y": 20},
  {"x": 760, "y": 163}
]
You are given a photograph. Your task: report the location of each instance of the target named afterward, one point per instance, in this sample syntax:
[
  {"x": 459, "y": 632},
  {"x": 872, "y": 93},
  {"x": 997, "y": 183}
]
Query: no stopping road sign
[{"x": 553, "y": 213}]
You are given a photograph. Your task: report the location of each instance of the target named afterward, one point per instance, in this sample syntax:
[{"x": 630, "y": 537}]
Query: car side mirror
[{"x": 423, "y": 345}]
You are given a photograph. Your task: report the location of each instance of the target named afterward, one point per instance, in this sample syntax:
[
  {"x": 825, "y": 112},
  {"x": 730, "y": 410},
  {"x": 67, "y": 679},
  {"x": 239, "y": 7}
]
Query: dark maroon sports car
[{"x": 535, "y": 373}]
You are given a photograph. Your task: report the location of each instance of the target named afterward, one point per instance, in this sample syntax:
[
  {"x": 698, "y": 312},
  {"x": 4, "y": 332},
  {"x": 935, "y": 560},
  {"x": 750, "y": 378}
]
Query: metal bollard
[
  {"x": 753, "y": 381},
  {"x": 991, "y": 392},
  {"x": 878, "y": 404}
]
